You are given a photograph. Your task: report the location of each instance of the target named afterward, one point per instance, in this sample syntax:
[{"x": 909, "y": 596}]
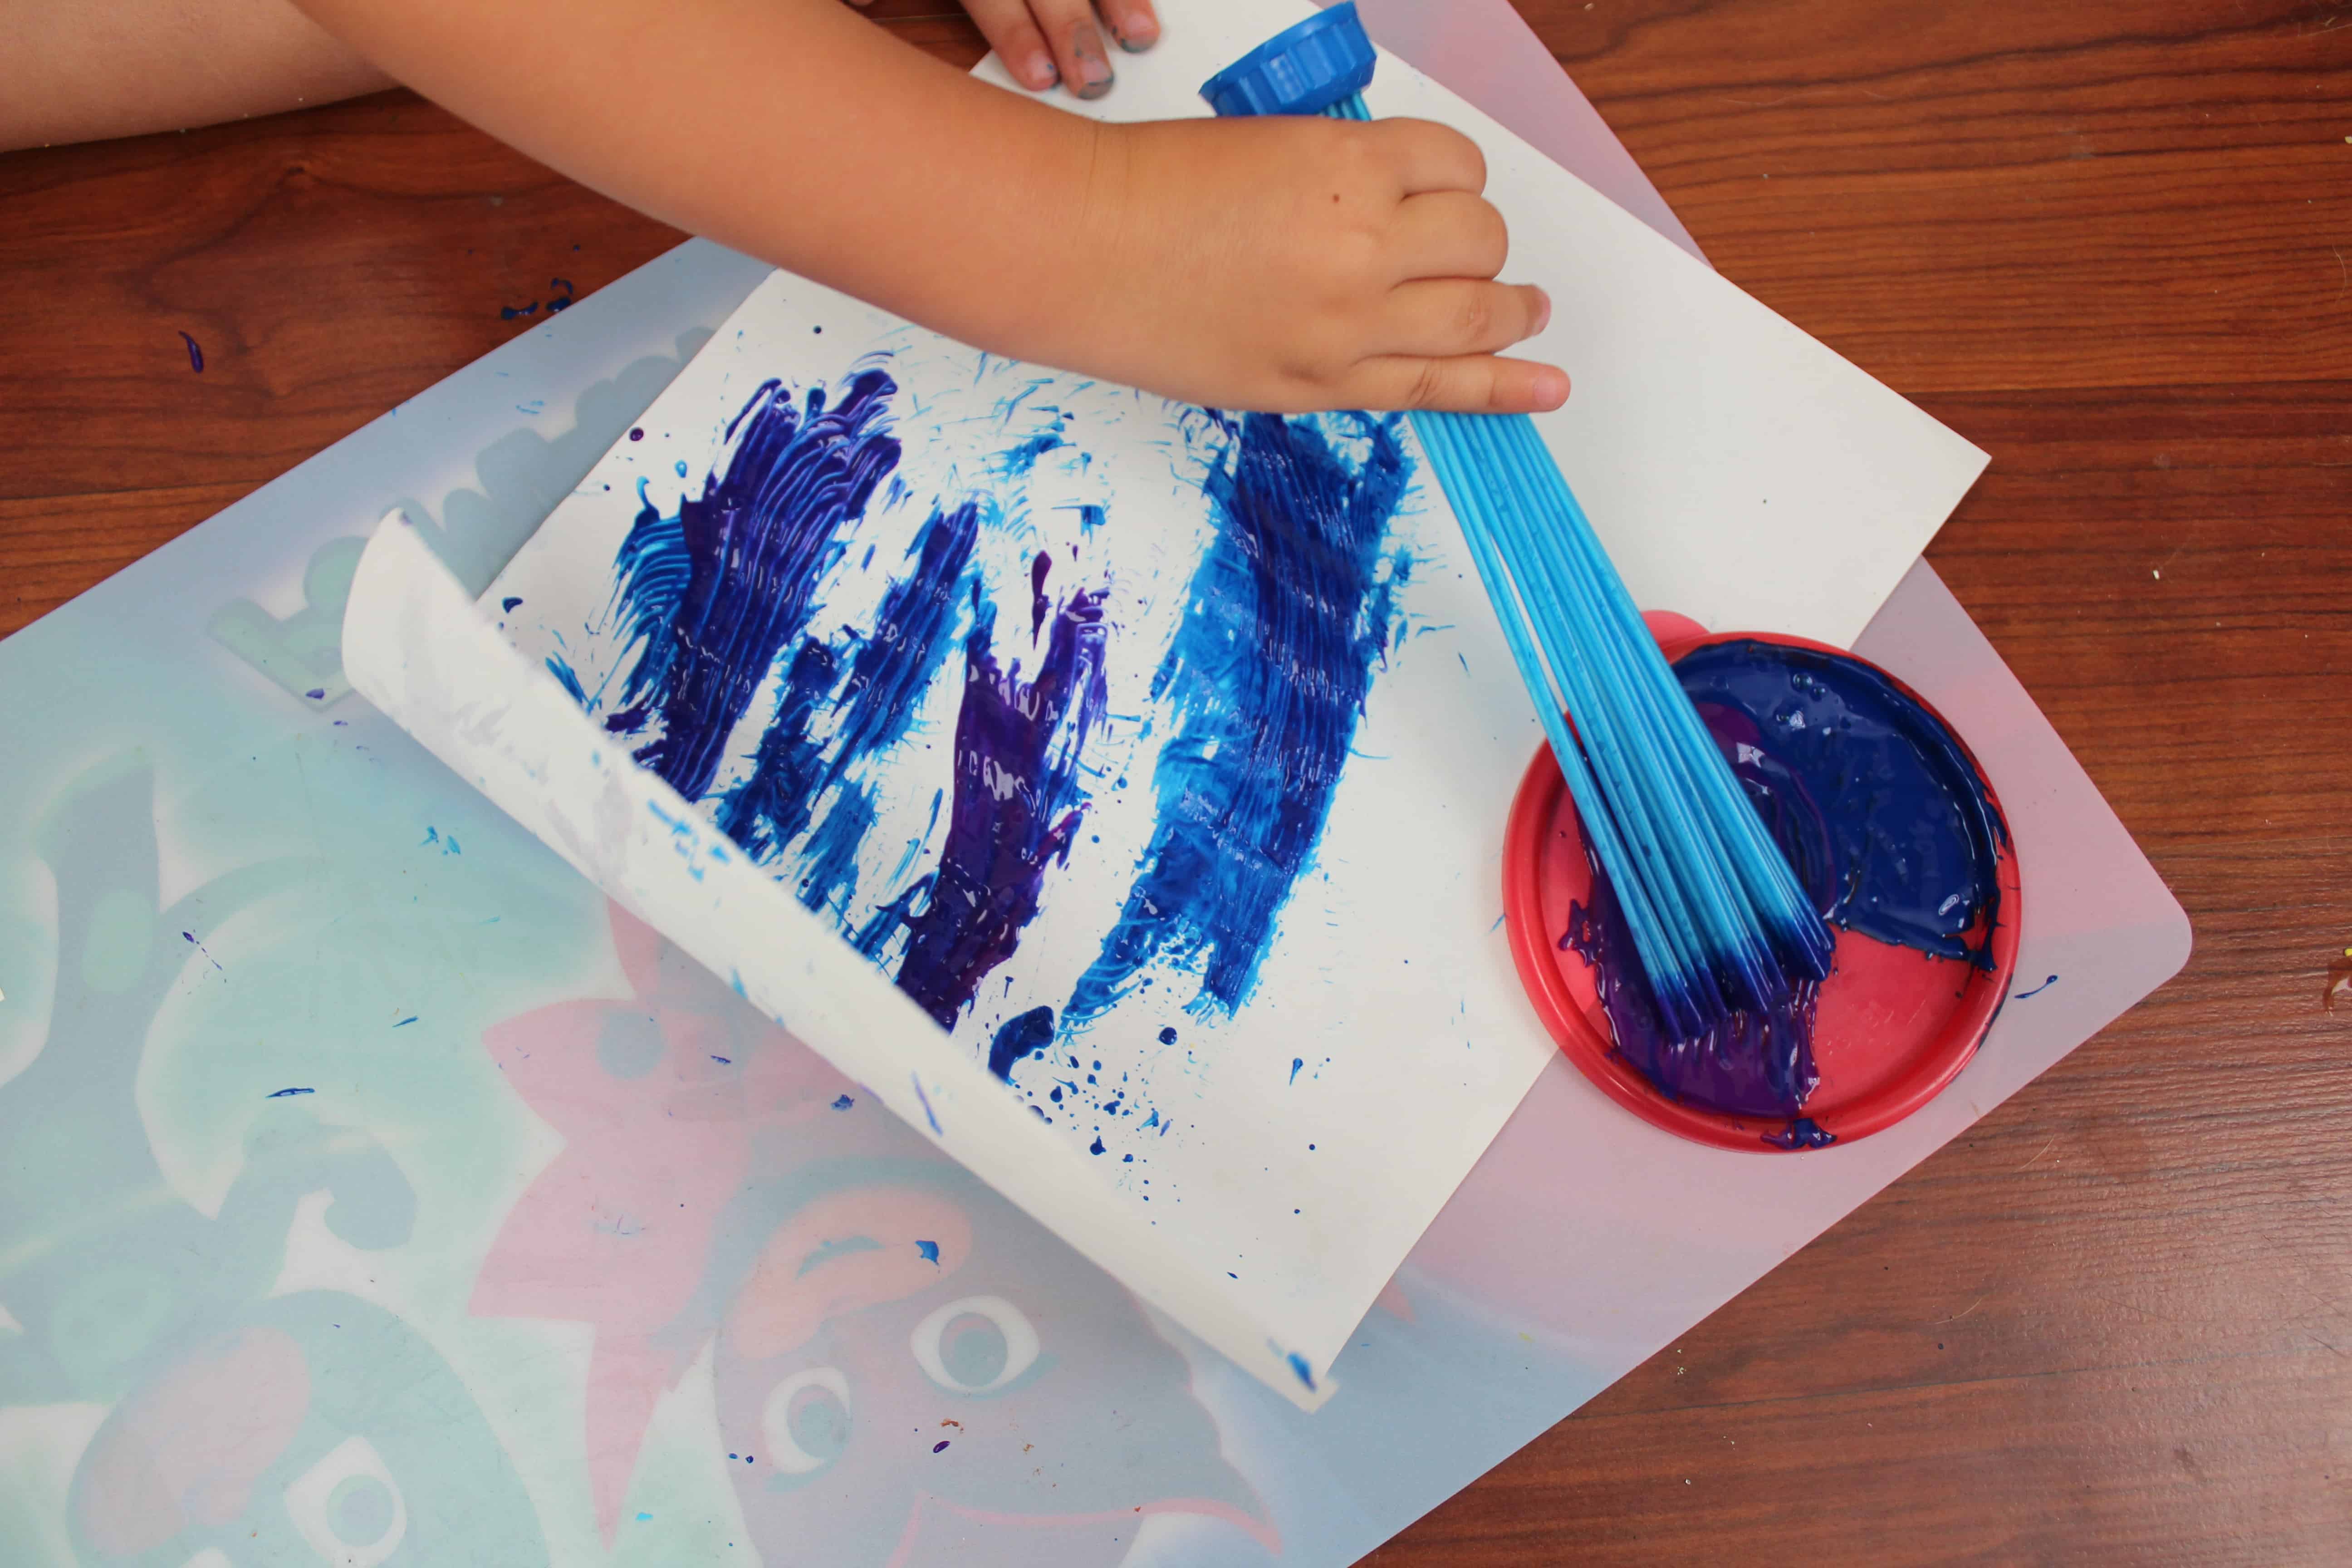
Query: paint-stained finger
[
  {"x": 1448, "y": 234},
  {"x": 1469, "y": 383},
  {"x": 1426, "y": 156},
  {"x": 1012, "y": 33},
  {"x": 1076, "y": 40},
  {"x": 1442, "y": 320},
  {"x": 1133, "y": 23}
]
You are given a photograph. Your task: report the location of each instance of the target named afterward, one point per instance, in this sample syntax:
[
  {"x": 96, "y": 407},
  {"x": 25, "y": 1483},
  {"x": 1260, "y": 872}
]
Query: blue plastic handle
[{"x": 1303, "y": 70}]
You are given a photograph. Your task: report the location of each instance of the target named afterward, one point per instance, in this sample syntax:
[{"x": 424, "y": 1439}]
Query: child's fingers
[
  {"x": 1468, "y": 383},
  {"x": 1013, "y": 34},
  {"x": 1077, "y": 44},
  {"x": 1133, "y": 23},
  {"x": 1426, "y": 156},
  {"x": 1448, "y": 234},
  {"x": 1447, "y": 317}
]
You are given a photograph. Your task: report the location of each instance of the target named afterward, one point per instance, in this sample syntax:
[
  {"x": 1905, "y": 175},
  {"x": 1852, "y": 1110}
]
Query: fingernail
[
  {"x": 1543, "y": 313},
  {"x": 1093, "y": 66},
  {"x": 1039, "y": 73},
  {"x": 1138, "y": 33},
  {"x": 1551, "y": 388}
]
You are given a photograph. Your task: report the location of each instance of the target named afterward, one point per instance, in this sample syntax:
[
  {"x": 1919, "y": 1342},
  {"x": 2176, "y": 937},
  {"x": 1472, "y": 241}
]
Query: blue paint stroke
[
  {"x": 2036, "y": 991},
  {"x": 712, "y": 595},
  {"x": 283, "y": 1093},
  {"x": 928, "y": 1114},
  {"x": 872, "y": 709},
  {"x": 1296, "y": 1063},
  {"x": 1306, "y": 1373},
  {"x": 1022, "y": 1035},
  {"x": 1883, "y": 817},
  {"x": 195, "y": 354},
  {"x": 1267, "y": 678},
  {"x": 558, "y": 667},
  {"x": 929, "y": 1251},
  {"x": 1015, "y": 804},
  {"x": 405, "y": 1022}
]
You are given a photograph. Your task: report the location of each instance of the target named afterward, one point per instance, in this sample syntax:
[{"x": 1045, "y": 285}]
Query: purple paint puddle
[
  {"x": 1887, "y": 824},
  {"x": 1289, "y": 613}
]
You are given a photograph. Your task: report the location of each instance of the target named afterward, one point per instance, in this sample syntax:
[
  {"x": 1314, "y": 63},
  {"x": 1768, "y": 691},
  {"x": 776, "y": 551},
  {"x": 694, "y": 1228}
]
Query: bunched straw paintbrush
[{"x": 1718, "y": 917}]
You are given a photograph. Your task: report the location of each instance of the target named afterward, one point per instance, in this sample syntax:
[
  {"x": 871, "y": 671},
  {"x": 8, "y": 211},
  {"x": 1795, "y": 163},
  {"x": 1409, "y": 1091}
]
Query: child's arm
[
  {"x": 82, "y": 70},
  {"x": 1275, "y": 264}
]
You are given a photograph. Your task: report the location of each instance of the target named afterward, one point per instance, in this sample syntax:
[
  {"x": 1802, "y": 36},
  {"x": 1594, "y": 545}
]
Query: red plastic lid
[{"x": 1893, "y": 1026}]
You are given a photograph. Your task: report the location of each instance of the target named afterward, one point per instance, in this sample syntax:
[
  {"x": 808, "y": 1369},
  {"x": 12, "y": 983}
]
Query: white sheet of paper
[{"x": 1260, "y": 1175}]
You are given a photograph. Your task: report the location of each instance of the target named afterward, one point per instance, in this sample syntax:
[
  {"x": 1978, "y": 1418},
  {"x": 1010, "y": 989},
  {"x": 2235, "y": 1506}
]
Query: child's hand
[
  {"x": 1287, "y": 264},
  {"x": 1044, "y": 41}
]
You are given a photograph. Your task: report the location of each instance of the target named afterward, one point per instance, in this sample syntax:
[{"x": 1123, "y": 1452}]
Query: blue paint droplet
[
  {"x": 284, "y": 1092},
  {"x": 1306, "y": 1373},
  {"x": 682, "y": 467},
  {"x": 2036, "y": 991},
  {"x": 941, "y": 1446},
  {"x": 316, "y": 693},
  {"x": 1021, "y": 1036},
  {"x": 509, "y": 602},
  {"x": 843, "y": 1102},
  {"x": 636, "y": 434},
  {"x": 1296, "y": 1063},
  {"x": 929, "y": 1250},
  {"x": 195, "y": 354},
  {"x": 1097, "y": 1147},
  {"x": 1168, "y": 1035}
]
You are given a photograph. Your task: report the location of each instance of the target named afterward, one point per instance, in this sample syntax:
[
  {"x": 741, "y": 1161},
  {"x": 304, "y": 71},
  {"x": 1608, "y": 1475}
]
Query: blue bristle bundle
[{"x": 1718, "y": 917}]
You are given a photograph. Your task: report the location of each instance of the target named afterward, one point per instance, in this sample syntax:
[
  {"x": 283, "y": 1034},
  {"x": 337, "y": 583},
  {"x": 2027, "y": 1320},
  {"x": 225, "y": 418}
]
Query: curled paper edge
[{"x": 417, "y": 646}]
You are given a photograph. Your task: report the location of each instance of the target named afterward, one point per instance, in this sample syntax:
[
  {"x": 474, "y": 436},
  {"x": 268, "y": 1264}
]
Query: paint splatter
[
  {"x": 1015, "y": 807},
  {"x": 284, "y": 1093},
  {"x": 1305, "y": 1372},
  {"x": 195, "y": 354},
  {"x": 508, "y": 604},
  {"x": 941, "y": 1446},
  {"x": 405, "y": 1022},
  {"x": 925, "y": 1101},
  {"x": 843, "y": 1102},
  {"x": 929, "y": 1251},
  {"x": 1267, "y": 678},
  {"x": 2037, "y": 990},
  {"x": 714, "y": 592}
]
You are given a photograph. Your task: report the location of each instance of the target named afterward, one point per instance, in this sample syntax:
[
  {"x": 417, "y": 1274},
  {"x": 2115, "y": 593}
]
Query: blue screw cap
[{"x": 1303, "y": 70}]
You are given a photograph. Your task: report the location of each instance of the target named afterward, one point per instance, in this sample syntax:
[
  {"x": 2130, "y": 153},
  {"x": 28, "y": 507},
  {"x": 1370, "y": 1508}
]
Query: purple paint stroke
[
  {"x": 1015, "y": 805},
  {"x": 712, "y": 595},
  {"x": 195, "y": 354}
]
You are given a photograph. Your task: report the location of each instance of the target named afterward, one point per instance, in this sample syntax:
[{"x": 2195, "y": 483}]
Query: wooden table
[{"x": 2110, "y": 242}]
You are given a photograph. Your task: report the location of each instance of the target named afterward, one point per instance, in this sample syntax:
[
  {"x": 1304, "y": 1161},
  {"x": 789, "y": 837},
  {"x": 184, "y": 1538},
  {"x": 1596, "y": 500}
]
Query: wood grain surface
[{"x": 2111, "y": 243}]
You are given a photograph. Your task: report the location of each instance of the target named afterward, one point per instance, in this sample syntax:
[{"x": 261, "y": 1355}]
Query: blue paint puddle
[
  {"x": 1267, "y": 678},
  {"x": 1884, "y": 818}
]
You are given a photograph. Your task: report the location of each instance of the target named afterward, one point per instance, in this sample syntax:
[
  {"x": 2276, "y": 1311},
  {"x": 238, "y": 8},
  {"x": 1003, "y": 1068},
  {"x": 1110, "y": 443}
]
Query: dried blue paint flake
[
  {"x": 1097, "y": 1147},
  {"x": 282, "y": 1093}
]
